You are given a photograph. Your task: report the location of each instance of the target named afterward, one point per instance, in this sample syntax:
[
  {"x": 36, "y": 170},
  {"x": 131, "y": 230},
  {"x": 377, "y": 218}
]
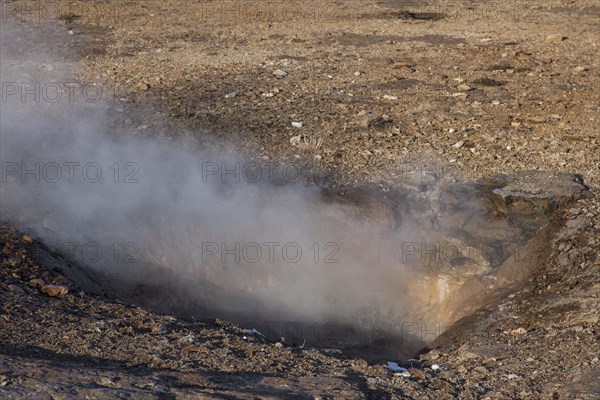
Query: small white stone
[
  {"x": 435, "y": 367},
  {"x": 297, "y": 124},
  {"x": 390, "y": 97}
]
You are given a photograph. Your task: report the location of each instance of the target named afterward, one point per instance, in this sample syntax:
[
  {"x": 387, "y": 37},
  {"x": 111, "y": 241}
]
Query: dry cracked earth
[{"x": 382, "y": 95}]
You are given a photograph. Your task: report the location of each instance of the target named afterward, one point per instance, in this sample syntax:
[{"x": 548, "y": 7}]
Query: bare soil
[{"x": 389, "y": 93}]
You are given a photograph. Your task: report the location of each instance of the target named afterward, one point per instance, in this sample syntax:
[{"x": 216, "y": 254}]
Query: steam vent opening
[{"x": 400, "y": 267}]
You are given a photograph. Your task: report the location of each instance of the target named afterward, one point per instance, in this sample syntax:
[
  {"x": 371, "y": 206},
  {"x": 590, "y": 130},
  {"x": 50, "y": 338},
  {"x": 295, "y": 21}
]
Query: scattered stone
[
  {"x": 464, "y": 88},
  {"x": 54, "y": 290},
  {"x": 188, "y": 339},
  {"x": 295, "y": 140},
  {"x": 435, "y": 367},
  {"x": 555, "y": 38},
  {"x": 141, "y": 86},
  {"x": 489, "y": 361},
  {"x": 390, "y": 97},
  {"x": 518, "y": 332},
  {"x": 481, "y": 370},
  {"x": 36, "y": 283},
  {"x": 415, "y": 373},
  {"x": 27, "y": 239},
  {"x": 580, "y": 69},
  {"x": 105, "y": 382},
  {"x": 279, "y": 73},
  {"x": 459, "y": 144},
  {"x": 535, "y": 120},
  {"x": 297, "y": 124},
  {"x": 230, "y": 95},
  {"x": 488, "y": 82},
  {"x": 360, "y": 364}
]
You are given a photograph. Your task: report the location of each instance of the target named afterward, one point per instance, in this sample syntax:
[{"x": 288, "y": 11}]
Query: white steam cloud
[{"x": 166, "y": 228}]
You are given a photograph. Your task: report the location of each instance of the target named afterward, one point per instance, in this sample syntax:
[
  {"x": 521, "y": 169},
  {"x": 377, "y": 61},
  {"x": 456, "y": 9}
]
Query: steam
[{"x": 169, "y": 226}]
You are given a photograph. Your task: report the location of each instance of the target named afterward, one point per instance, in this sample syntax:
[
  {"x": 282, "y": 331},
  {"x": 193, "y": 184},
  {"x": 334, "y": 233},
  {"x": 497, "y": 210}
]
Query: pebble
[
  {"x": 481, "y": 370},
  {"x": 54, "y": 290},
  {"x": 464, "y": 88},
  {"x": 105, "y": 382},
  {"x": 459, "y": 144},
  {"x": 230, "y": 95},
  {"x": 555, "y": 37},
  {"x": 518, "y": 332},
  {"x": 297, "y": 124},
  {"x": 435, "y": 367},
  {"x": 390, "y": 97},
  {"x": 536, "y": 120},
  {"x": 279, "y": 73},
  {"x": 27, "y": 239},
  {"x": 580, "y": 69},
  {"x": 415, "y": 373},
  {"x": 142, "y": 86},
  {"x": 188, "y": 339},
  {"x": 36, "y": 283}
]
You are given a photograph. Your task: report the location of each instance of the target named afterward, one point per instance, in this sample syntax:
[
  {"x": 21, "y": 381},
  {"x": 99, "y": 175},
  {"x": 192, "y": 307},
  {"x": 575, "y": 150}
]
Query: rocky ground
[{"x": 385, "y": 92}]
